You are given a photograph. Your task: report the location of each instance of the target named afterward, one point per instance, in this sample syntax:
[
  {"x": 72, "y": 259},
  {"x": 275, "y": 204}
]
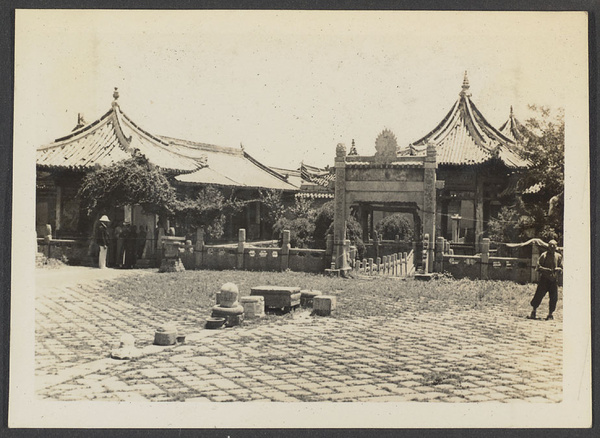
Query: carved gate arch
[{"x": 387, "y": 182}]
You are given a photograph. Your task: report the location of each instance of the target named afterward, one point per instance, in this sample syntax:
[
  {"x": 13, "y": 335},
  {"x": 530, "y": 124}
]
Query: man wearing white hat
[
  {"x": 549, "y": 266},
  {"x": 102, "y": 240}
]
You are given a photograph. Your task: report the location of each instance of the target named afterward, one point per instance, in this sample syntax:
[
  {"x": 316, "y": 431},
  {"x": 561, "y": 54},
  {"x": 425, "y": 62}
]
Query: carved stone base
[{"x": 171, "y": 265}]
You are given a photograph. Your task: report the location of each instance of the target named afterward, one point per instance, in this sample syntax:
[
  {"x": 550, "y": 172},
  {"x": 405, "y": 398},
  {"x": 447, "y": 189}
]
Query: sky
[{"x": 287, "y": 85}]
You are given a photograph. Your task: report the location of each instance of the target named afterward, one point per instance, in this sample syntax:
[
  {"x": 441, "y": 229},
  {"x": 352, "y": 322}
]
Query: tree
[
  {"x": 129, "y": 182},
  {"x": 299, "y": 220},
  {"x": 301, "y": 231},
  {"x": 324, "y": 227},
  {"x": 273, "y": 203},
  {"x": 545, "y": 148},
  {"x": 539, "y": 211},
  {"x": 395, "y": 225},
  {"x": 207, "y": 210}
]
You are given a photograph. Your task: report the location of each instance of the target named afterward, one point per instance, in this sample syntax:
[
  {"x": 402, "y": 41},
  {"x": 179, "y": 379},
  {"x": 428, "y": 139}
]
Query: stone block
[
  {"x": 166, "y": 335},
  {"x": 233, "y": 315},
  {"x": 228, "y": 295},
  {"x": 254, "y": 306},
  {"x": 323, "y": 305},
  {"x": 307, "y": 296},
  {"x": 278, "y": 296}
]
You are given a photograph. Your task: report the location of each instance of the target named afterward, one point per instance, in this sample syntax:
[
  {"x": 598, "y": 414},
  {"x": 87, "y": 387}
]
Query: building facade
[{"x": 62, "y": 165}]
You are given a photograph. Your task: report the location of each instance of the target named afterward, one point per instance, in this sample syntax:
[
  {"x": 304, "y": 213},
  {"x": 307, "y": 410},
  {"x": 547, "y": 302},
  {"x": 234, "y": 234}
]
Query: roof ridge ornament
[
  {"x": 115, "y": 97},
  {"x": 353, "y": 149},
  {"x": 465, "y": 87}
]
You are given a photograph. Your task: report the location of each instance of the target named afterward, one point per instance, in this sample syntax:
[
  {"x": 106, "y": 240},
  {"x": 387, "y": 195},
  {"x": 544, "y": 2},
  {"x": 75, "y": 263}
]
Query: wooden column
[
  {"x": 58, "y": 209},
  {"x": 479, "y": 213}
]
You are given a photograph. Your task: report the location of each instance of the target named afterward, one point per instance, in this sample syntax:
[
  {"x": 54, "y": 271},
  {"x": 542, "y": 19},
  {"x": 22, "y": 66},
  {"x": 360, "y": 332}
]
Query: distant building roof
[
  {"x": 228, "y": 167},
  {"x": 313, "y": 182},
  {"x": 513, "y": 129},
  {"x": 315, "y": 175},
  {"x": 292, "y": 176},
  {"x": 465, "y": 137}
]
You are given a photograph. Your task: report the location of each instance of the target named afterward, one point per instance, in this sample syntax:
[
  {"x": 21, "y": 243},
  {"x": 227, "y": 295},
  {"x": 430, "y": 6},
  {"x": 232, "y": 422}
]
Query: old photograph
[{"x": 300, "y": 219}]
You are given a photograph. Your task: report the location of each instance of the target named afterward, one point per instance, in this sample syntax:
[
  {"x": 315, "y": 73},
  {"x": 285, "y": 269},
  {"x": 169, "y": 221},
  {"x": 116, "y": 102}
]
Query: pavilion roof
[
  {"x": 465, "y": 137},
  {"x": 513, "y": 129},
  {"x": 113, "y": 137}
]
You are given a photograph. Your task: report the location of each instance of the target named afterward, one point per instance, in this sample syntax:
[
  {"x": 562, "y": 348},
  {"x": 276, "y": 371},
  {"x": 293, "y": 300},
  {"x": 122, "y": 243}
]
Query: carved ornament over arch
[{"x": 386, "y": 146}]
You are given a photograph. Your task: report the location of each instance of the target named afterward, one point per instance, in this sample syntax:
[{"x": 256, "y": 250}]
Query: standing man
[
  {"x": 102, "y": 240},
  {"x": 549, "y": 266}
]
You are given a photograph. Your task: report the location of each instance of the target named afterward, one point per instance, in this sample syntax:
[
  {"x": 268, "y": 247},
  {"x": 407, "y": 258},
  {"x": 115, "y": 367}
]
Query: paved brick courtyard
[{"x": 458, "y": 355}]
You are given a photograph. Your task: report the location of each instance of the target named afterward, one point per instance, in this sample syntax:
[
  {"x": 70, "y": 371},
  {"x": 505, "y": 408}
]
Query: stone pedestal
[
  {"x": 323, "y": 305},
  {"x": 233, "y": 315},
  {"x": 227, "y": 305},
  {"x": 254, "y": 307},
  {"x": 166, "y": 335},
  {"x": 307, "y": 297},
  {"x": 278, "y": 296},
  {"x": 171, "y": 265},
  {"x": 171, "y": 261}
]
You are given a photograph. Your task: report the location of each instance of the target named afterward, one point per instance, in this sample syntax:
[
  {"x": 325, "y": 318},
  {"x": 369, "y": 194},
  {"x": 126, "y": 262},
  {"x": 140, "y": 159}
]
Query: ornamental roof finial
[
  {"x": 511, "y": 111},
  {"x": 116, "y": 94},
  {"x": 353, "y": 149},
  {"x": 465, "y": 86}
]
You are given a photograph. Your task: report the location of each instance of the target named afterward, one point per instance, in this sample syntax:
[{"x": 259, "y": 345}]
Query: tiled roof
[
  {"x": 315, "y": 175},
  {"x": 292, "y": 175},
  {"x": 464, "y": 137},
  {"x": 315, "y": 195},
  {"x": 513, "y": 129},
  {"x": 393, "y": 164},
  {"x": 228, "y": 167},
  {"x": 112, "y": 138}
]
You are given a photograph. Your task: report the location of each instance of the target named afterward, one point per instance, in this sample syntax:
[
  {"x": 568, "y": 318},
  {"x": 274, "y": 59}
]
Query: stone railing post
[
  {"x": 439, "y": 254},
  {"x": 405, "y": 262},
  {"x": 240, "y": 248},
  {"x": 429, "y": 201},
  {"x": 285, "y": 250},
  {"x": 339, "y": 217},
  {"x": 485, "y": 258},
  {"x": 426, "y": 253}
]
